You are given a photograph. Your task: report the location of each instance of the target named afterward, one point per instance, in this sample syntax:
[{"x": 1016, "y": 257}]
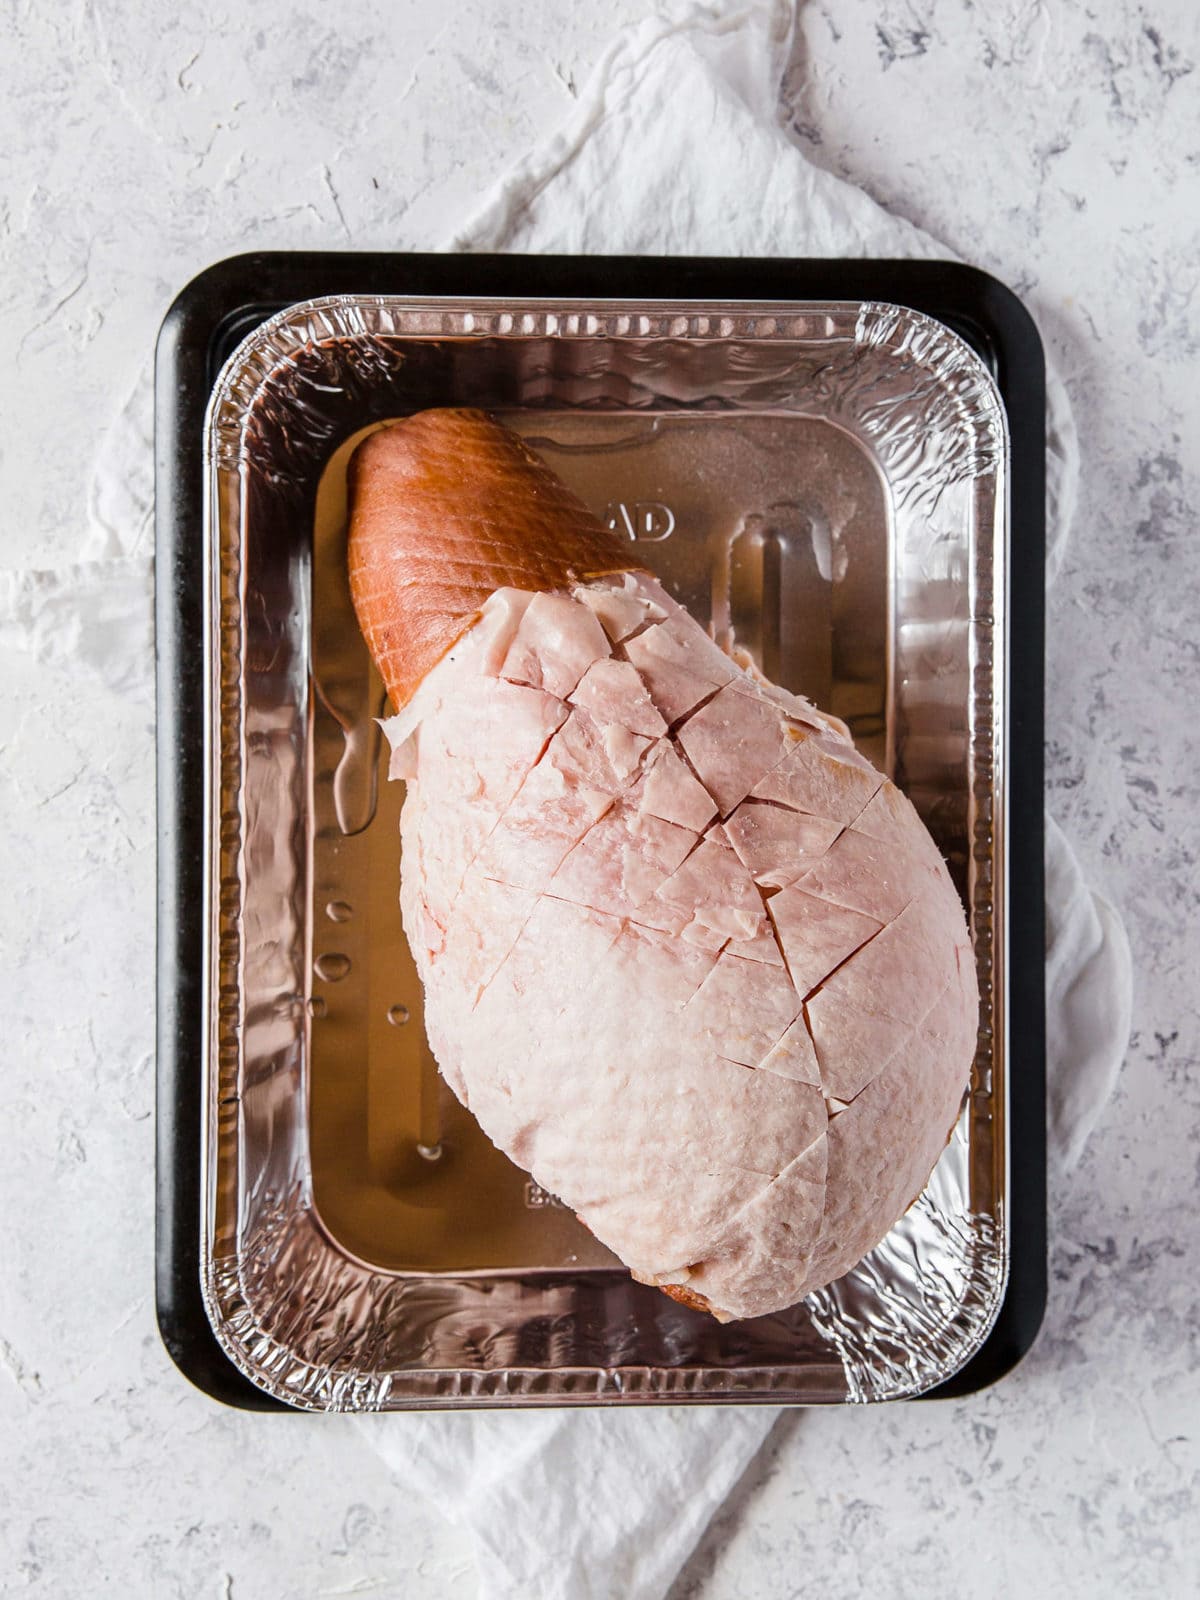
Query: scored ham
[{"x": 688, "y": 958}]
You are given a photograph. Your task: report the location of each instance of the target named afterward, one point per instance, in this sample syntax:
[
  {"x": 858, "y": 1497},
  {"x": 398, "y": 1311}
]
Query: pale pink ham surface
[{"x": 687, "y": 957}]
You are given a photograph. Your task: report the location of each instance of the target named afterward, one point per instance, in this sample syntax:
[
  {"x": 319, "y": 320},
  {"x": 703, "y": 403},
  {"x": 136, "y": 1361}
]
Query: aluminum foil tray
[{"x": 825, "y": 484}]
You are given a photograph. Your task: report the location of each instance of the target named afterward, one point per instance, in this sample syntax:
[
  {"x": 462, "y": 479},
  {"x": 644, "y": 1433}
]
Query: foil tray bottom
[{"x": 773, "y": 531}]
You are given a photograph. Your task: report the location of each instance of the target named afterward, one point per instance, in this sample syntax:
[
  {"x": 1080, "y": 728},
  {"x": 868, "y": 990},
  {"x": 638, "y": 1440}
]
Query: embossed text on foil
[{"x": 646, "y": 522}]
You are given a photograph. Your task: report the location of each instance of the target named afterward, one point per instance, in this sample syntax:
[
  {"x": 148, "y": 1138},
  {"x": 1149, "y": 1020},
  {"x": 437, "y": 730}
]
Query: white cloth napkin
[
  {"x": 97, "y": 614},
  {"x": 575, "y": 1505},
  {"x": 673, "y": 148},
  {"x": 1089, "y": 999}
]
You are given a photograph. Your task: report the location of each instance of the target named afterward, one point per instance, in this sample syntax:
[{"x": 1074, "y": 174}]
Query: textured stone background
[{"x": 1056, "y": 144}]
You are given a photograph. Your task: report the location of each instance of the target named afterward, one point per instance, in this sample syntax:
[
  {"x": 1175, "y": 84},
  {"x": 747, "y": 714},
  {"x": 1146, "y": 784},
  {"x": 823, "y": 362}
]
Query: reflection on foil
[
  {"x": 831, "y": 479},
  {"x": 926, "y": 1296}
]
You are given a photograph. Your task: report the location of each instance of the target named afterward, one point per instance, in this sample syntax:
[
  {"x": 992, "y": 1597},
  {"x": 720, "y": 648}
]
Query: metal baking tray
[{"x": 825, "y": 482}]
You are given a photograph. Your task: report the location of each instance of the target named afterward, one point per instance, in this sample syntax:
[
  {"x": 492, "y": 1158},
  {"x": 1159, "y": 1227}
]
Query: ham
[{"x": 687, "y": 957}]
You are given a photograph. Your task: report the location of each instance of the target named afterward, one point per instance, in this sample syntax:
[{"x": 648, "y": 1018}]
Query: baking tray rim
[{"x": 741, "y": 302}]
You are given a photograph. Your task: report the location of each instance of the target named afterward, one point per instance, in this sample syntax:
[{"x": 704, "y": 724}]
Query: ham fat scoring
[{"x": 688, "y": 958}]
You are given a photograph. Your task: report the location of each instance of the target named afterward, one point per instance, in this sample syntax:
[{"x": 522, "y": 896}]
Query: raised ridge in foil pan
[{"x": 843, "y": 465}]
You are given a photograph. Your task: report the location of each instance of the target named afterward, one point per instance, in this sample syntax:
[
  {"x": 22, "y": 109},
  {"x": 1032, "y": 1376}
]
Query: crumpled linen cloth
[
  {"x": 1089, "y": 1000},
  {"x": 674, "y": 147},
  {"x": 576, "y": 1505}
]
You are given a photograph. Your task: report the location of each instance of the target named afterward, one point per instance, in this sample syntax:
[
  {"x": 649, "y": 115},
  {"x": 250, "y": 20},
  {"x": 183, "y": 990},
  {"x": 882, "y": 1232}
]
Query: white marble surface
[{"x": 1057, "y": 145}]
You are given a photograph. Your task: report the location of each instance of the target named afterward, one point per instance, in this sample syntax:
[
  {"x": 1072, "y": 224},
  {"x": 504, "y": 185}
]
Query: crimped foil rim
[{"x": 958, "y": 382}]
